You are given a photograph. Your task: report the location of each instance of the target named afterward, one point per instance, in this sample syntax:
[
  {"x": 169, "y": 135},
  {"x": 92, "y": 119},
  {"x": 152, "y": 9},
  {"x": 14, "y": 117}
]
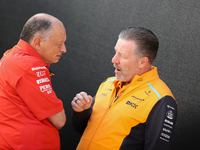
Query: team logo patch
[{"x": 170, "y": 114}]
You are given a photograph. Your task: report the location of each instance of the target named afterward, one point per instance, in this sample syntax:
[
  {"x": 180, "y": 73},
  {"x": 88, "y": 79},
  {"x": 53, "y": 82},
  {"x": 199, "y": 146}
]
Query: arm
[
  {"x": 58, "y": 120},
  {"x": 160, "y": 124},
  {"x": 82, "y": 110},
  {"x": 80, "y": 119},
  {"x": 35, "y": 90}
]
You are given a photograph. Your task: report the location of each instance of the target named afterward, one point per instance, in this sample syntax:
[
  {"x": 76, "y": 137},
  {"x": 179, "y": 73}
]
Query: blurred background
[{"x": 92, "y": 28}]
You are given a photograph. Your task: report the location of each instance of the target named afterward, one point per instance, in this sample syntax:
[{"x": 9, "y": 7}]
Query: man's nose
[
  {"x": 63, "y": 49},
  {"x": 115, "y": 59}
]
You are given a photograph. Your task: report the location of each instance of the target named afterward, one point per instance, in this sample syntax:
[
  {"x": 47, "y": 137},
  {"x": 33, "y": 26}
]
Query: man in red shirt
[{"x": 30, "y": 112}]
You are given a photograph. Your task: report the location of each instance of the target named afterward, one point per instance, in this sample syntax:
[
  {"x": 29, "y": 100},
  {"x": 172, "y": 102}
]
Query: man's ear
[
  {"x": 143, "y": 62},
  {"x": 37, "y": 43}
]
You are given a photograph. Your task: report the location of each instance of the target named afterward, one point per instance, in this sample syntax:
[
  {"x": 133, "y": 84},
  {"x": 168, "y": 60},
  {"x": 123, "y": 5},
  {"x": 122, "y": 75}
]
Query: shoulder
[
  {"x": 19, "y": 59},
  {"x": 110, "y": 79},
  {"x": 161, "y": 87},
  {"x": 108, "y": 83}
]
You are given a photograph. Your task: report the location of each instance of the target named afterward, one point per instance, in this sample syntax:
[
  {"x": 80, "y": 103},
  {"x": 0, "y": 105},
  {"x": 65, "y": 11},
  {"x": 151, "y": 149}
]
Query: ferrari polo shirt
[
  {"x": 26, "y": 100},
  {"x": 138, "y": 116}
]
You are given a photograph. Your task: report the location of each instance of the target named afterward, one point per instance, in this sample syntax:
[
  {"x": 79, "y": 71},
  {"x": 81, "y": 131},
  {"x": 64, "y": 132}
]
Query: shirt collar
[{"x": 144, "y": 78}]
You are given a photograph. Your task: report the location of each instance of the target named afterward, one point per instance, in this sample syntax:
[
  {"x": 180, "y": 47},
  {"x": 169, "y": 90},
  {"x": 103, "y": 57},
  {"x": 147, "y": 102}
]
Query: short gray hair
[
  {"x": 146, "y": 41},
  {"x": 36, "y": 27}
]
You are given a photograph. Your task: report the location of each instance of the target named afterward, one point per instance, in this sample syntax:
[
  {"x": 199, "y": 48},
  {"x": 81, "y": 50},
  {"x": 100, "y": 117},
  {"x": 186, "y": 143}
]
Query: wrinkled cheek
[{"x": 125, "y": 74}]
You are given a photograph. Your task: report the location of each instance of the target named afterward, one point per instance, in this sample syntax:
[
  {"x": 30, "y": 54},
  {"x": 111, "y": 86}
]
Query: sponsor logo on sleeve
[
  {"x": 167, "y": 130},
  {"x": 37, "y": 68},
  {"x": 43, "y": 80},
  {"x": 167, "y": 125},
  {"x": 170, "y": 107},
  {"x": 41, "y": 73},
  {"x": 46, "y": 88},
  {"x": 169, "y": 122},
  {"x": 170, "y": 114},
  {"x": 165, "y": 137}
]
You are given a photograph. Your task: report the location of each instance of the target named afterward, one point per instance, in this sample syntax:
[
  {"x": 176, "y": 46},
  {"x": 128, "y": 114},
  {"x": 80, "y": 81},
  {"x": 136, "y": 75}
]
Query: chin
[
  {"x": 56, "y": 61},
  {"x": 119, "y": 78}
]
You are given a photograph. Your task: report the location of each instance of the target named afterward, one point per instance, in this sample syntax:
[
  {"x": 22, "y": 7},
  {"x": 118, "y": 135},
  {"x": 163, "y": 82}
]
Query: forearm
[
  {"x": 58, "y": 120},
  {"x": 80, "y": 120}
]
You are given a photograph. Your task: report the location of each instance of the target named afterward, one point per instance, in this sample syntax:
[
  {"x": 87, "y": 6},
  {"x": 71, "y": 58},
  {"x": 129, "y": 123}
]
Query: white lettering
[
  {"x": 169, "y": 122},
  {"x": 170, "y": 107},
  {"x": 165, "y": 135},
  {"x": 37, "y": 68},
  {"x": 48, "y": 92},
  {"x": 164, "y": 139},
  {"x": 41, "y": 73},
  {"x": 45, "y": 88},
  {"x": 42, "y": 80},
  {"x": 167, "y": 130},
  {"x": 167, "y": 125}
]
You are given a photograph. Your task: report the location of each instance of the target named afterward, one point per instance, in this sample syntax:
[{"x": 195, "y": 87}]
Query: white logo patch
[
  {"x": 41, "y": 73},
  {"x": 170, "y": 114},
  {"x": 36, "y": 68},
  {"x": 46, "y": 88},
  {"x": 42, "y": 80}
]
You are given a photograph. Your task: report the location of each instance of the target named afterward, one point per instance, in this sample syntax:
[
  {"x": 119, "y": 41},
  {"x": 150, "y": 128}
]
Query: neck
[
  {"x": 125, "y": 83},
  {"x": 147, "y": 69}
]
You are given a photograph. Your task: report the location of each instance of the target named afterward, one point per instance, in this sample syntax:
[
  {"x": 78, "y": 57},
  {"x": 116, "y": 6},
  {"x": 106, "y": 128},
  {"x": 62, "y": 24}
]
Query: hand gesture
[{"x": 81, "y": 102}]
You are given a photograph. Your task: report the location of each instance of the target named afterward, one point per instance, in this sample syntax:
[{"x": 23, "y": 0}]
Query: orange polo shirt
[{"x": 26, "y": 100}]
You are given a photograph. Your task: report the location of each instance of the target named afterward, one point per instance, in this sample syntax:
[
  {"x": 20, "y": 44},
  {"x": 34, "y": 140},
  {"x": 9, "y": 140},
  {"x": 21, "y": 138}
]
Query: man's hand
[{"x": 81, "y": 102}]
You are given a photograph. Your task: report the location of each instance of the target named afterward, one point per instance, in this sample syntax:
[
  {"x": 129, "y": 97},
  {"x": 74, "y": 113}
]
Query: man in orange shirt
[
  {"x": 135, "y": 110},
  {"x": 30, "y": 112}
]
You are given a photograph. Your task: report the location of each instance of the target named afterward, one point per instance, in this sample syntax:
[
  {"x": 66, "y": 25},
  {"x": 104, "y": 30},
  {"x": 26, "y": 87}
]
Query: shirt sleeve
[
  {"x": 160, "y": 125},
  {"x": 80, "y": 119},
  {"x": 35, "y": 89}
]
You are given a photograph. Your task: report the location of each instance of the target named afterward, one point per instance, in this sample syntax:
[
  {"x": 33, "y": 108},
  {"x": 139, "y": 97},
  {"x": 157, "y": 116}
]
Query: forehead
[
  {"x": 59, "y": 33},
  {"x": 124, "y": 46}
]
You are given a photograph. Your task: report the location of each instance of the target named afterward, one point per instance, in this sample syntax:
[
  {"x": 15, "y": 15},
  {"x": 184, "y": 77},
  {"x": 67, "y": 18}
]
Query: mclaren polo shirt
[
  {"x": 141, "y": 116},
  {"x": 26, "y": 100}
]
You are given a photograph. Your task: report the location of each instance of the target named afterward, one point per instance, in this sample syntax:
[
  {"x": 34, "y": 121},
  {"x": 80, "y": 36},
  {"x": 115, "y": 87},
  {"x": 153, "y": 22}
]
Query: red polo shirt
[{"x": 26, "y": 100}]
